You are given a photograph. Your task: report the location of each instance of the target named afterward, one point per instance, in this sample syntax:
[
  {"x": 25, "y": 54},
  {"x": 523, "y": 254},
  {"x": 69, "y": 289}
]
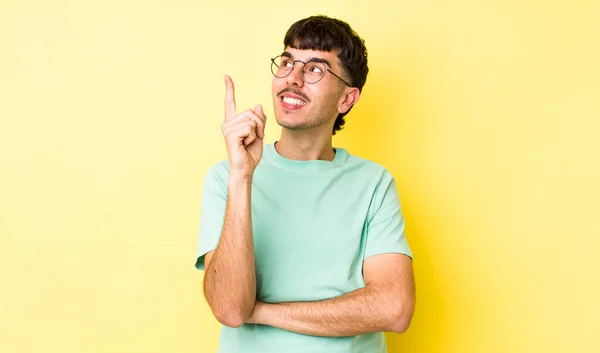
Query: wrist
[
  {"x": 239, "y": 179},
  {"x": 260, "y": 314}
]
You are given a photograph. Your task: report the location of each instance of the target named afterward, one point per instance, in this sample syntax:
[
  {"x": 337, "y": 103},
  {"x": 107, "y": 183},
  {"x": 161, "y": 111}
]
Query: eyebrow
[{"x": 317, "y": 60}]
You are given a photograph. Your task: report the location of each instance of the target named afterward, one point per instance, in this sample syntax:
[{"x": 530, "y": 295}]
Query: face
[{"x": 300, "y": 105}]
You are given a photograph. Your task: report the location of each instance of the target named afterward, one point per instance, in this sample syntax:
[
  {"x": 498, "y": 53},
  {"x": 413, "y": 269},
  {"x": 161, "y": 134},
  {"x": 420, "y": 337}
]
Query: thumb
[{"x": 259, "y": 111}]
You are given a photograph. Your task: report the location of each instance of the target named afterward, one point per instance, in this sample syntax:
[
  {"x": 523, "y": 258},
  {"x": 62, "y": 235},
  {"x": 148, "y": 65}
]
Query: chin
[
  {"x": 290, "y": 125},
  {"x": 296, "y": 125},
  {"x": 288, "y": 121}
]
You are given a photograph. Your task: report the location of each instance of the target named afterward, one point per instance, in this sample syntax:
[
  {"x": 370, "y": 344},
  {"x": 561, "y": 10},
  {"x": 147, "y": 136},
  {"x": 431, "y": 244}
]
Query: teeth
[{"x": 293, "y": 101}]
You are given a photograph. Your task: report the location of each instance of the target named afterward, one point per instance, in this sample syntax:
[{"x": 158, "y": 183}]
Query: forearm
[
  {"x": 230, "y": 280},
  {"x": 365, "y": 310}
]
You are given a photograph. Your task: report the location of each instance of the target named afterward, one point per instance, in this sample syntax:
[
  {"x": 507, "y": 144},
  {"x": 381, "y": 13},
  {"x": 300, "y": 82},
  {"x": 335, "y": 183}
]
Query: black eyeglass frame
[{"x": 304, "y": 64}]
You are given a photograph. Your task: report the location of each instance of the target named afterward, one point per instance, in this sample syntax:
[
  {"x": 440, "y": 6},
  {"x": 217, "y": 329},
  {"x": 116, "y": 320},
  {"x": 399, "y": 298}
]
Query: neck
[{"x": 301, "y": 147}]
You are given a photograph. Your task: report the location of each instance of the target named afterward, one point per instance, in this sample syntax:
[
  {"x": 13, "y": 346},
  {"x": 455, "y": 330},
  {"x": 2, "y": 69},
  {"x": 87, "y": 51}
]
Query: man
[{"x": 302, "y": 244}]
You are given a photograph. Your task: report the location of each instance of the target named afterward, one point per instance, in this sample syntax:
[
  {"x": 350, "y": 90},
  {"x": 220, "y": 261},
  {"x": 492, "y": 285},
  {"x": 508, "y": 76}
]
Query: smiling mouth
[{"x": 293, "y": 101}]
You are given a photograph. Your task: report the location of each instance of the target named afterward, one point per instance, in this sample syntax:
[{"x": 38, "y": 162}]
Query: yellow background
[{"x": 486, "y": 112}]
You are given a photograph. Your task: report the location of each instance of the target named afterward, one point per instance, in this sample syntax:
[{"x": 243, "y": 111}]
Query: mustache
[{"x": 294, "y": 91}]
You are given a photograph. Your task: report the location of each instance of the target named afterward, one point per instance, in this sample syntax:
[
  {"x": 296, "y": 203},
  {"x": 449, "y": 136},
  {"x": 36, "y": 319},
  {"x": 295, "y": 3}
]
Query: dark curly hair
[{"x": 327, "y": 34}]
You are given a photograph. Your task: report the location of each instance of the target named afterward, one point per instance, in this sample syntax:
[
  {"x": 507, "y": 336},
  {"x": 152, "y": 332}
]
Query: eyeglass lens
[{"x": 281, "y": 66}]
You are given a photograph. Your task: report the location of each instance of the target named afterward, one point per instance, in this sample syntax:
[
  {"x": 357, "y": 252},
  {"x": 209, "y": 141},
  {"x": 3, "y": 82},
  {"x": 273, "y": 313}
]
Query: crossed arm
[{"x": 386, "y": 303}]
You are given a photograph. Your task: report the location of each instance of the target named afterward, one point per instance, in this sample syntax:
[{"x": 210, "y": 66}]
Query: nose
[{"x": 295, "y": 77}]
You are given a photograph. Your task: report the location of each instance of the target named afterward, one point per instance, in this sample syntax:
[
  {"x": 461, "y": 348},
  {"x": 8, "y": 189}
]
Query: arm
[
  {"x": 229, "y": 280},
  {"x": 229, "y": 276},
  {"x": 386, "y": 303}
]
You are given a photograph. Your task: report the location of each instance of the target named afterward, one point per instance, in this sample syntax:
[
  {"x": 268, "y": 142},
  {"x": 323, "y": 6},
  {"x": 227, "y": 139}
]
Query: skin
[
  {"x": 386, "y": 303},
  {"x": 230, "y": 279}
]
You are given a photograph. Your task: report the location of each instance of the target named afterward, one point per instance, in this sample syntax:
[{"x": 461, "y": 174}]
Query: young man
[{"x": 302, "y": 244}]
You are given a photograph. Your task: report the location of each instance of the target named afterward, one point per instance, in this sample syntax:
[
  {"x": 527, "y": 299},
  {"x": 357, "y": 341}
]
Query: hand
[{"x": 244, "y": 134}]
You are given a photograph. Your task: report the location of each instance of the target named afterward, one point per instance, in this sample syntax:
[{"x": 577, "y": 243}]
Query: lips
[{"x": 292, "y": 101}]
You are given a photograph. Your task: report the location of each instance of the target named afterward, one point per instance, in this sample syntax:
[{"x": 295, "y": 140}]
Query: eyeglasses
[{"x": 312, "y": 72}]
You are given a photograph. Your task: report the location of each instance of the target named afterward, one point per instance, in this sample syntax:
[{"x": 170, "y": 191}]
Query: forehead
[{"x": 307, "y": 54}]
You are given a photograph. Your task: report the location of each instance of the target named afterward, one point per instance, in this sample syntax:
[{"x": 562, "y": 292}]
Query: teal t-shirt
[{"x": 314, "y": 223}]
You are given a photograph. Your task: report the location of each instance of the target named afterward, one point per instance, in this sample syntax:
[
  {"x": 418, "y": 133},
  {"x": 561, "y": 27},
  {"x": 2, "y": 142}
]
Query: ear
[{"x": 348, "y": 99}]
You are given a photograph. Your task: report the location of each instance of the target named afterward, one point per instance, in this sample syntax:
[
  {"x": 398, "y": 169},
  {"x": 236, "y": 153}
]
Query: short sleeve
[
  {"x": 214, "y": 202},
  {"x": 385, "y": 227}
]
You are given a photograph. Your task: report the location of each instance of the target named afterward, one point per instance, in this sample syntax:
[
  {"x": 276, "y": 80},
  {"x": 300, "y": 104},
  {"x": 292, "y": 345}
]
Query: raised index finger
[{"x": 229, "y": 98}]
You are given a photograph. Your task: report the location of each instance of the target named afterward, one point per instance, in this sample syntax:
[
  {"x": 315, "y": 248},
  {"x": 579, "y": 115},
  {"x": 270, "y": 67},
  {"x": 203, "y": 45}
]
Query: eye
[
  {"x": 286, "y": 62},
  {"x": 314, "y": 68}
]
